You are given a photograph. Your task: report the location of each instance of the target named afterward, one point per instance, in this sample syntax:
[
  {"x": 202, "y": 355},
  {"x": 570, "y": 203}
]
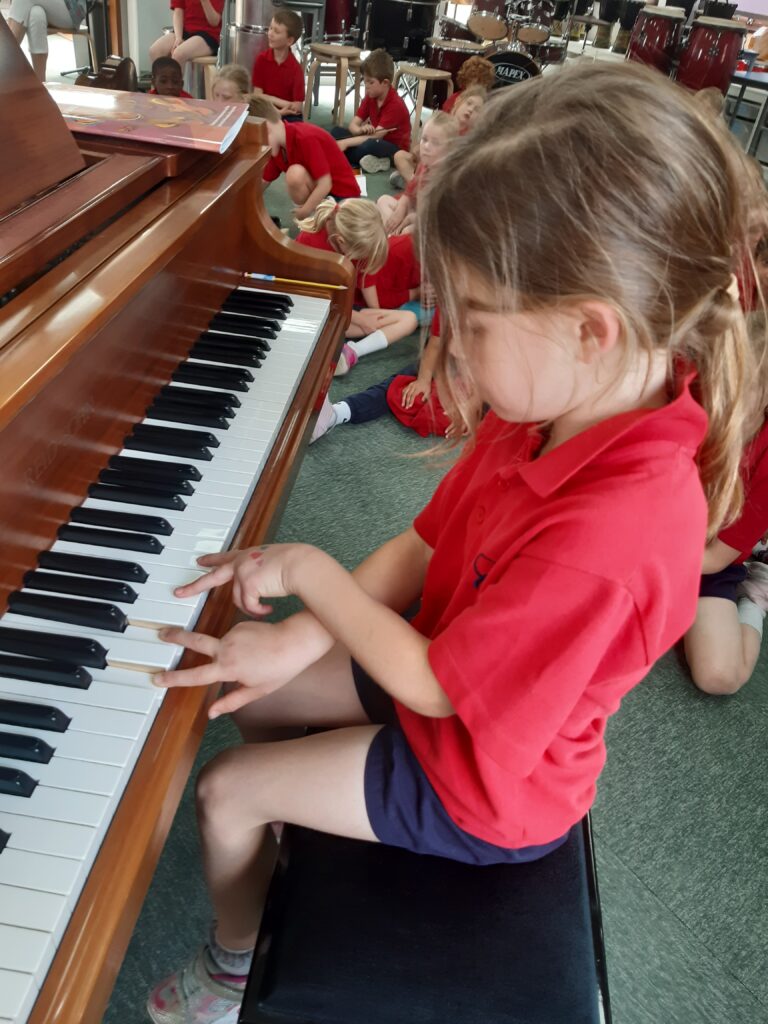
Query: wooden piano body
[{"x": 82, "y": 350}]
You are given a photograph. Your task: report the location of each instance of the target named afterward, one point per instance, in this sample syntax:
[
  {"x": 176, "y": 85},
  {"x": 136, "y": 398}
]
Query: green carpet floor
[{"x": 681, "y": 818}]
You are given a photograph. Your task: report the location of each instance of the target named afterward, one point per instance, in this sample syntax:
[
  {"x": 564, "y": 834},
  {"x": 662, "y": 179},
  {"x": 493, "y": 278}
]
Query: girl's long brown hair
[{"x": 609, "y": 183}]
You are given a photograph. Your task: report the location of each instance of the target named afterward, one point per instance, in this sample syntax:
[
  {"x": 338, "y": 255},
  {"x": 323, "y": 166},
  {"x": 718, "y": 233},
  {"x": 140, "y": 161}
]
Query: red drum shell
[
  {"x": 550, "y": 53},
  {"x": 450, "y": 54},
  {"x": 449, "y": 28},
  {"x": 488, "y": 19},
  {"x": 655, "y": 38},
  {"x": 336, "y": 12},
  {"x": 710, "y": 55}
]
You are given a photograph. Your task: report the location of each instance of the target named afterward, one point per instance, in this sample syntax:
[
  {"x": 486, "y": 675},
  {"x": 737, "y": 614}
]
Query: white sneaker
[
  {"x": 396, "y": 180},
  {"x": 326, "y": 420},
  {"x": 373, "y": 164}
]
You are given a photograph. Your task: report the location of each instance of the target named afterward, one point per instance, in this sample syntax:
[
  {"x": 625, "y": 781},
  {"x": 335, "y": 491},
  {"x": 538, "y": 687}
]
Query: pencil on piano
[{"x": 291, "y": 280}]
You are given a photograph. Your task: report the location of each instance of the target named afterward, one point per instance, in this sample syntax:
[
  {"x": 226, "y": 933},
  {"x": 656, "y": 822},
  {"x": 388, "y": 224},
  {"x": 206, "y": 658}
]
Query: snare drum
[
  {"x": 487, "y": 20},
  {"x": 655, "y": 37},
  {"x": 538, "y": 28},
  {"x": 550, "y": 53},
  {"x": 709, "y": 57},
  {"x": 512, "y": 66},
  {"x": 449, "y": 28},
  {"x": 450, "y": 54}
]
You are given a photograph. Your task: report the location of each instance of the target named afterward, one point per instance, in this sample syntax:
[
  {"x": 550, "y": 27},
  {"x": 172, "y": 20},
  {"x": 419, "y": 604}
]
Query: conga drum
[
  {"x": 709, "y": 58},
  {"x": 561, "y": 17},
  {"x": 630, "y": 9},
  {"x": 577, "y": 27},
  {"x": 718, "y": 9},
  {"x": 655, "y": 37},
  {"x": 488, "y": 19},
  {"x": 609, "y": 15}
]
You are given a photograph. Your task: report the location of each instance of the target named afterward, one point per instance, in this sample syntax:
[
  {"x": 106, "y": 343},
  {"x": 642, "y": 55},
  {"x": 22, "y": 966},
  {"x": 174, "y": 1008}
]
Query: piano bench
[{"x": 359, "y": 933}]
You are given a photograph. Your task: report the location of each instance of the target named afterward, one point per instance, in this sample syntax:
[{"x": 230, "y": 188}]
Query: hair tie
[{"x": 733, "y": 288}]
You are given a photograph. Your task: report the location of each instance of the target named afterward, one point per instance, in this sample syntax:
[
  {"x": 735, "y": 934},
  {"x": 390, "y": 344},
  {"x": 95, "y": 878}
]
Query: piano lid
[{"x": 37, "y": 150}]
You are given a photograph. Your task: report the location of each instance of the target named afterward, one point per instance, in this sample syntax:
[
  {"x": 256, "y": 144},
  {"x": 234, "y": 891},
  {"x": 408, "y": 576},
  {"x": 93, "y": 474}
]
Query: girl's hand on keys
[
  {"x": 255, "y": 657},
  {"x": 255, "y": 573}
]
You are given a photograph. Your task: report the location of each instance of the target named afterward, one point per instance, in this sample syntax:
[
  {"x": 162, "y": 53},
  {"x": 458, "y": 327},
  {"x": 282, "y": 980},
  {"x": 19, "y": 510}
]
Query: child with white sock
[{"x": 355, "y": 229}]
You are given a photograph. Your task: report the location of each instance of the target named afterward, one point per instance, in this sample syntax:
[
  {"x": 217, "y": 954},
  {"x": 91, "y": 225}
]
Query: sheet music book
[{"x": 166, "y": 120}]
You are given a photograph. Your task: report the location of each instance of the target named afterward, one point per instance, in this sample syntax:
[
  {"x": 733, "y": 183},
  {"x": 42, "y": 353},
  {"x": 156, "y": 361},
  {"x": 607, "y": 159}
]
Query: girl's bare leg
[
  {"x": 721, "y": 651},
  {"x": 395, "y": 324}
]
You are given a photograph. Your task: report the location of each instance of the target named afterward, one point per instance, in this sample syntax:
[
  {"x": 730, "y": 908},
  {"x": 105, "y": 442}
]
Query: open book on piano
[{"x": 154, "y": 405}]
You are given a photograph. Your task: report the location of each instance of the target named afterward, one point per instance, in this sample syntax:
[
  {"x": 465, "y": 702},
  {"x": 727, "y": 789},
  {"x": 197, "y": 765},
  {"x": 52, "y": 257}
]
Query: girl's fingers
[
  {"x": 232, "y": 701},
  {"x": 201, "y": 675},
  {"x": 218, "y": 558},
  {"x": 199, "y": 642},
  {"x": 215, "y": 578}
]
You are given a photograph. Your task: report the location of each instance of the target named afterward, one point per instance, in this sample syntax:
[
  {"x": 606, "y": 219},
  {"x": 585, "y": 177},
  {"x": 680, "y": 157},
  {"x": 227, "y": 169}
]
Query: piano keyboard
[{"x": 79, "y": 640}]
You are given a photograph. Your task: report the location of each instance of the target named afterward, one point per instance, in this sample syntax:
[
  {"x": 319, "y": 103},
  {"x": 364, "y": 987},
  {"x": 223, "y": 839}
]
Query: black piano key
[
  {"x": 107, "y": 568},
  {"x": 78, "y": 650},
  {"x": 16, "y": 783},
  {"x": 34, "y": 670},
  {"x": 4, "y": 837},
  {"x": 80, "y": 586},
  {"x": 188, "y": 437},
  {"x": 178, "y": 413},
  {"x": 91, "y": 614},
  {"x": 137, "y": 496},
  {"x": 274, "y": 312},
  {"x": 136, "y": 478},
  {"x": 251, "y": 326},
  {"x": 258, "y": 346},
  {"x": 203, "y": 395},
  {"x": 187, "y": 396},
  {"x": 247, "y": 294},
  {"x": 20, "y": 747},
  {"x": 110, "y": 538},
  {"x": 221, "y": 354},
  {"x": 155, "y": 468},
  {"x": 158, "y": 447},
  {"x": 121, "y": 520},
  {"x": 32, "y": 716},
  {"x": 212, "y": 376}
]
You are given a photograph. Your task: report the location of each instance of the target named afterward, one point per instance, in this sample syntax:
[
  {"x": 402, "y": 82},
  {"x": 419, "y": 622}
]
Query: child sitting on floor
[
  {"x": 468, "y": 105},
  {"x": 167, "y": 79},
  {"x": 277, "y": 75},
  {"x": 354, "y": 228},
  {"x": 399, "y": 212},
  {"x": 475, "y": 71},
  {"x": 231, "y": 84}
]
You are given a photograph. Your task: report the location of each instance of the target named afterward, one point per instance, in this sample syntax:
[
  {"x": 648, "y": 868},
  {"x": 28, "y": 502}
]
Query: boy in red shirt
[
  {"x": 314, "y": 167},
  {"x": 167, "y": 79},
  {"x": 277, "y": 75},
  {"x": 382, "y": 126},
  {"x": 196, "y": 31}
]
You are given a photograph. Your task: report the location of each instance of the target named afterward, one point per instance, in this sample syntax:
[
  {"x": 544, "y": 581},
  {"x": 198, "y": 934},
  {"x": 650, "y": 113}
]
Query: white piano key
[
  {"x": 99, "y": 694},
  {"x": 101, "y": 721},
  {"x": 38, "y": 871},
  {"x": 23, "y": 949},
  {"x": 27, "y": 909},
  {"x": 57, "y": 805},
  {"x": 17, "y": 992},
  {"x": 56, "y": 838},
  {"x": 63, "y": 773}
]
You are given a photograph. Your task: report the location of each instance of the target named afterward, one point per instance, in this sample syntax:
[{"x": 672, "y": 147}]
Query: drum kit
[{"x": 518, "y": 37}]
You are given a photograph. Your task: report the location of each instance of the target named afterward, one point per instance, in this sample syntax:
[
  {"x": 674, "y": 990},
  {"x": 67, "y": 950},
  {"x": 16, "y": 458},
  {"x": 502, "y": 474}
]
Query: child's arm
[
  {"x": 212, "y": 16},
  {"x": 276, "y": 101},
  {"x": 423, "y": 383},
  {"x": 316, "y": 196},
  {"x": 396, "y": 221},
  {"x": 717, "y": 556},
  {"x": 371, "y": 296},
  {"x": 178, "y": 27}
]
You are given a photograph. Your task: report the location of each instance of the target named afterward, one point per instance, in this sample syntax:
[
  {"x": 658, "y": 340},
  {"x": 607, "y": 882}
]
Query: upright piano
[{"x": 154, "y": 405}]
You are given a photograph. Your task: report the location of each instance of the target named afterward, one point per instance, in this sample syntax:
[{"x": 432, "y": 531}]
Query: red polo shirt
[
  {"x": 399, "y": 274},
  {"x": 195, "y": 19},
  {"x": 317, "y": 151},
  {"x": 285, "y": 80},
  {"x": 554, "y": 586},
  {"x": 450, "y": 103},
  {"x": 392, "y": 113},
  {"x": 753, "y": 521}
]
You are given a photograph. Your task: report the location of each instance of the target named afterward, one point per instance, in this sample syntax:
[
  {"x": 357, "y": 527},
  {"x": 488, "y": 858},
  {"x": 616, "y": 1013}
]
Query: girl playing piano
[{"x": 558, "y": 558}]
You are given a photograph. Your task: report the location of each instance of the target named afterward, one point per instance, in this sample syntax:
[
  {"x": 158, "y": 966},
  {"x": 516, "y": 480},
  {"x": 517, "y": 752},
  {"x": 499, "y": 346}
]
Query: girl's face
[
  {"x": 225, "y": 91},
  {"x": 467, "y": 112},
  {"x": 525, "y": 366},
  {"x": 433, "y": 145}
]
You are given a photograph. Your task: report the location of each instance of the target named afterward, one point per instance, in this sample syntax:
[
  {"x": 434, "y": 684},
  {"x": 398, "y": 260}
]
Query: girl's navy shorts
[
  {"x": 724, "y": 583},
  {"x": 209, "y": 40},
  {"x": 402, "y": 806}
]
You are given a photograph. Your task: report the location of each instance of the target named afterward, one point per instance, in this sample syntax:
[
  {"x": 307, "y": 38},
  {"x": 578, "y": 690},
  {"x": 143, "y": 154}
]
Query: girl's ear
[{"x": 599, "y": 329}]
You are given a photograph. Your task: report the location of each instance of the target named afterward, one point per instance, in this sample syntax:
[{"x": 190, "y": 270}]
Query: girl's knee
[
  {"x": 718, "y": 680},
  {"x": 217, "y": 789},
  {"x": 160, "y": 48},
  {"x": 37, "y": 30}
]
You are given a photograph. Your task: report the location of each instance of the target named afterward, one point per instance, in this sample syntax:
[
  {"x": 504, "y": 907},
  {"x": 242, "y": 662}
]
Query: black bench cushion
[{"x": 360, "y": 933}]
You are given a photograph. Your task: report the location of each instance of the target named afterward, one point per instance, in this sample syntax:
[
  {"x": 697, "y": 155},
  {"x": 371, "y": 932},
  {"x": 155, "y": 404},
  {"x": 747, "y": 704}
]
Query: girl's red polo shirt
[
  {"x": 399, "y": 274},
  {"x": 195, "y": 19},
  {"x": 554, "y": 586},
  {"x": 752, "y": 524}
]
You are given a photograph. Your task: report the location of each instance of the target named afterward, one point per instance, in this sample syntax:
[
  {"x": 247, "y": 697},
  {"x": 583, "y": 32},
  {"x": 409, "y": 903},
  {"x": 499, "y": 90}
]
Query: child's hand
[
  {"x": 295, "y": 107},
  {"x": 255, "y": 573},
  {"x": 256, "y": 657},
  {"x": 416, "y": 389}
]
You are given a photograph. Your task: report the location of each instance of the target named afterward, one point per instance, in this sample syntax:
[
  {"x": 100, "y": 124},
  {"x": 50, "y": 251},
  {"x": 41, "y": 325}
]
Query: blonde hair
[
  {"x": 445, "y": 123},
  {"x": 357, "y": 225},
  {"x": 292, "y": 21},
  {"x": 474, "y": 92},
  {"x": 476, "y": 71},
  {"x": 605, "y": 183},
  {"x": 378, "y": 64},
  {"x": 260, "y": 106},
  {"x": 237, "y": 75}
]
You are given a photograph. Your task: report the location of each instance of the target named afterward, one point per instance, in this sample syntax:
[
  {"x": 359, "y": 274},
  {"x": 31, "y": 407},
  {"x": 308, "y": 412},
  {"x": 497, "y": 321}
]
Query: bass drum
[{"x": 512, "y": 66}]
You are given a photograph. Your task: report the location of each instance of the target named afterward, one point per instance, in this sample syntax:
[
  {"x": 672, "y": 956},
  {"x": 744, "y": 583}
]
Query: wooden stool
[
  {"x": 338, "y": 57},
  {"x": 421, "y": 76},
  {"x": 201, "y": 85},
  {"x": 70, "y": 33}
]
